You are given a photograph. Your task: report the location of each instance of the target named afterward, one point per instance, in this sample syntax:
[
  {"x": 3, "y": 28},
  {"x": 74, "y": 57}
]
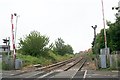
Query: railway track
[
  {"x": 54, "y": 69},
  {"x": 70, "y": 70}
]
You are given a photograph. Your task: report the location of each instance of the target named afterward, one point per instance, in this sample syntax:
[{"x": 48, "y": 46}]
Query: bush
[
  {"x": 28, "y": 60},
  {"x": 5, "y": 66},
  {"x": 34, "y": 44},
  {"x": 56, "y": 57}
]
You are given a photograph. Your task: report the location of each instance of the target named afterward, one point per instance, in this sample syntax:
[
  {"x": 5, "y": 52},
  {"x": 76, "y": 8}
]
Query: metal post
[
  {"x": 8, "y": 47},
  {"x": 16, "y": 25},
  {"x": 13, "y": 41},
  {"x": 94, "y": 30},
  {"x": 104, "y": 26},
  {"x": 6, "y": 41},
  {"x": 96, "y": 59},
  {"x": 94, "y": 33}
]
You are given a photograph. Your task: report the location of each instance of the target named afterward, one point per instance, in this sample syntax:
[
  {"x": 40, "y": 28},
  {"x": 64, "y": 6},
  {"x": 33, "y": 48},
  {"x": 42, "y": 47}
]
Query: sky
[{"x": 69, "y": 19}]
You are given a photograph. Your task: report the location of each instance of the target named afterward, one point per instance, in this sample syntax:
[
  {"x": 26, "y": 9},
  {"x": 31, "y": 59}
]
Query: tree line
[
  {"x": 36, "y": 45},
  {"x": 112, "y": 35}
]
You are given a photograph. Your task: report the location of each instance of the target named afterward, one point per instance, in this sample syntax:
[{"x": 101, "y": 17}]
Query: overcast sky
[{"x": 69, "y": 19}]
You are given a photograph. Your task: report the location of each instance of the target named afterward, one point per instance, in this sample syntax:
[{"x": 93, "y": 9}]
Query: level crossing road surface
[
  {"x": 71, "y": 74},
  {"x": 102, "y": 74}
]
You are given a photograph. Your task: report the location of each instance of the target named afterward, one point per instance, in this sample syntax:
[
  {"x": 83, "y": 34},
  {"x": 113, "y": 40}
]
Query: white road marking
[
  {"x": 12, "y": 74},
  {"x": 85, "y": 74},
  {"x": 46, "y": 74},
  {"x": 59, "y": 70},
  {"x": 115, "y": 71},
  {"x": 34, "y": 74}
]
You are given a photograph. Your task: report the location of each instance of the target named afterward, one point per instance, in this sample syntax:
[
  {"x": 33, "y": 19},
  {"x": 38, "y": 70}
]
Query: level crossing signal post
[
  {"x": 6, "y": 50},
  {"x": 7, "y": 42}
]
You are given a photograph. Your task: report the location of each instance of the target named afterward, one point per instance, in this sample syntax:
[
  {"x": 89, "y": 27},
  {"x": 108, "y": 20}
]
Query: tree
[
  {"x": 114, "y": 32},
  {"x": 112, "y": 35},
  {"x": 59, "y": 44},
  {"x": 34, "y": 44},
  {"x": 61, "y": 48},
  {"x": 68, "y": 49},
  {"x": 99, "y": 42}
]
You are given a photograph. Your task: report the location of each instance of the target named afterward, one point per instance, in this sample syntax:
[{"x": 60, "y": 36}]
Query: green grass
[
  {"x": 5, "y": 66},
  {"x": 57, "y": 57},
  {"x": 51, "y": 58},
  {"x": 0, "y": 65},
  {"x": 30, "y": 60}
]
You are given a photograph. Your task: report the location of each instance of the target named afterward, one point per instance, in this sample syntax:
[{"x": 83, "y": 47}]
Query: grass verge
[{"x": 43, "y": 61}]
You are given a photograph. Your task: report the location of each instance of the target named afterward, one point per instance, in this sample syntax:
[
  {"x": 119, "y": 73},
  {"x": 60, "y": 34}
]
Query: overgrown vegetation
[
  {"x": 0, "y": 65},
  {"x": 34, "y": 49},
  {"x": 52, "y": 58},
  {"x": 113, "y": 38},
  {"x": 91, "y": 55}
]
